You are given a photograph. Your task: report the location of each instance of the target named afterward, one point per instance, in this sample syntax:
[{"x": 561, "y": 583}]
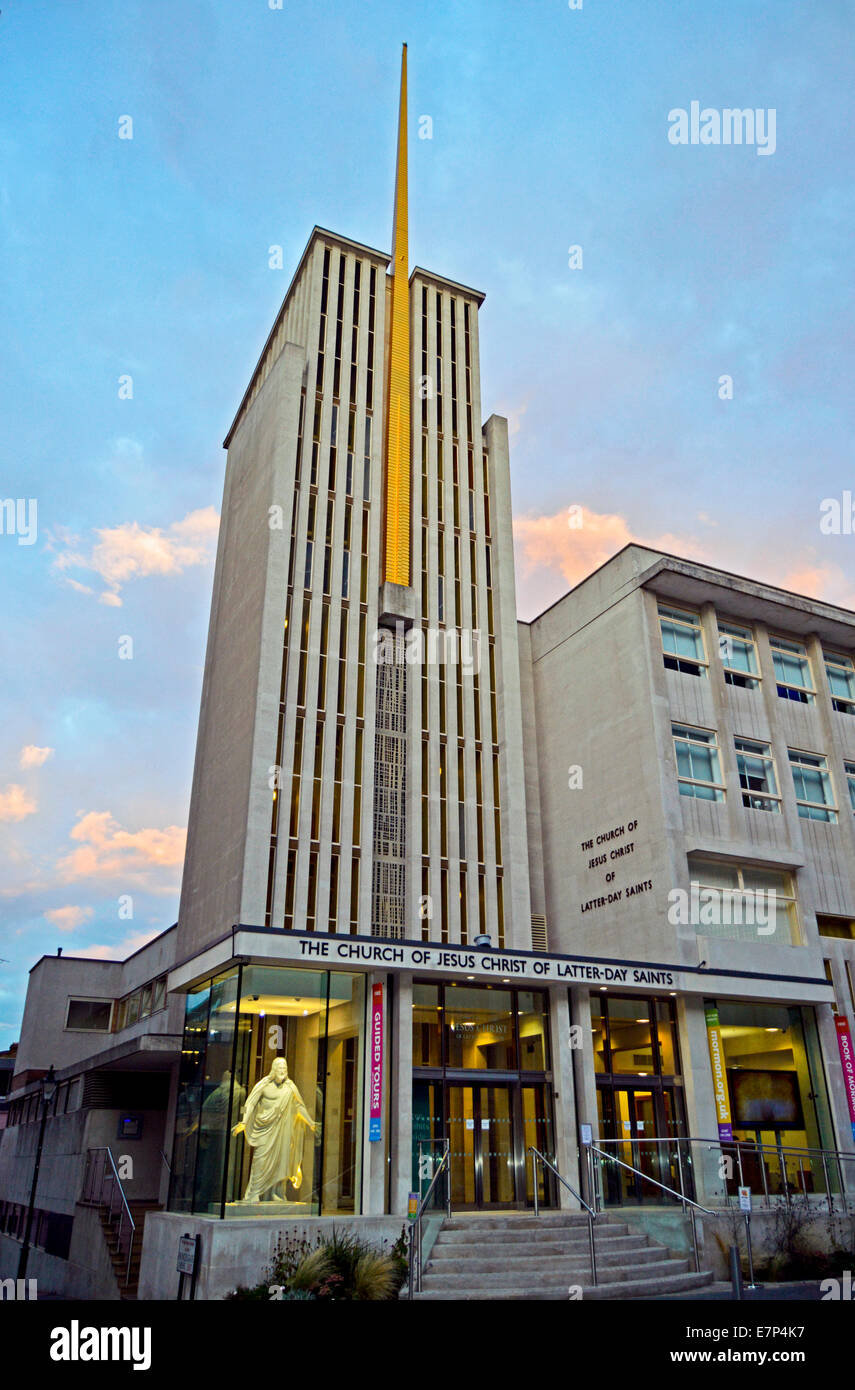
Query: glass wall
[
  {"x": 640, "y": 1103},
  {"x": 269, "y": 1108},
  {"x": 481, "y": 1085},
  {"x": 777, "y": 1093}
]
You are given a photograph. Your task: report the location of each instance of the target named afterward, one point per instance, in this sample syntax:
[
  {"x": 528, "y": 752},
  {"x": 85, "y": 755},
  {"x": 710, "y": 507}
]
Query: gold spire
[{"x": 396, "y": 565}]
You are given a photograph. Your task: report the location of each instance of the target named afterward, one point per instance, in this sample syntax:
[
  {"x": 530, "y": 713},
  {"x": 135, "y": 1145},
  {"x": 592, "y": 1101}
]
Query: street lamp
[{"x": 48, "y": 1089}]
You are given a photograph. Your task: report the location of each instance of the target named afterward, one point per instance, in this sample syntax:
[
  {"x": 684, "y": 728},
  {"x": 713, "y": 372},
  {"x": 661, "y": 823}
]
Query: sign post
[
  {"x": 745, "y": 1208},
  {"x": 188, "y": 1251}
]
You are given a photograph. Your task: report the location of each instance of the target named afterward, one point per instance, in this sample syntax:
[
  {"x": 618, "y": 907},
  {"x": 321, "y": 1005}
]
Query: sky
[{"x": 685, "y": 383}]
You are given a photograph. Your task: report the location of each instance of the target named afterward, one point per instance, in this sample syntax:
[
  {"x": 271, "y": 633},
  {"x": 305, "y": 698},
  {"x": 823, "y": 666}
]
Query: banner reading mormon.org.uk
[{"x": 722, "y": 1099}]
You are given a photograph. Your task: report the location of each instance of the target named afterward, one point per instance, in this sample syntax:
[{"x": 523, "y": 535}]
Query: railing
[
  {"x": 681, "y": 1197},
  {"x": 538, "y": 1157},
  {"x": 101, "y": 1174},
  {"x": 414, "y": 1254},
  {"x": 773, "y": 1170}
]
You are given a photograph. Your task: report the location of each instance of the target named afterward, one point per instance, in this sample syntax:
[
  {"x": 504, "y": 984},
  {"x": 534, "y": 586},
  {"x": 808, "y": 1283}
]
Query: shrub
[
  {"x": 342, "y": 1267},
  {"x": 375, "y": 1276}
]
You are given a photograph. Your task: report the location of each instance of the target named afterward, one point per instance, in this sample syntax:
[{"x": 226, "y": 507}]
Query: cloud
[
  {"x": 122, "y": 949},
  {"x": 69, "y": 918},
  {"x": 134, "y": 857},
  {"x": 572, "y": 544},
  {"x": 16, "y": 803},
  {"x": 553, "y": 555},
  {"x": 130, "y": 551},
  {"x": 31, "y": 756},
  {"x": 514, "y": 416}
]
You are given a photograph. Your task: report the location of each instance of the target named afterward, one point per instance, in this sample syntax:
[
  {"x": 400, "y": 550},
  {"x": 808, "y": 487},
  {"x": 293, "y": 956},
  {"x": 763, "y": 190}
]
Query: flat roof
[
  {"x": 316, "y": 234},
  {"x": 382, "y": 257},
  {"x": 696, "y": 573},
  {"x": 448, "y": 284}
]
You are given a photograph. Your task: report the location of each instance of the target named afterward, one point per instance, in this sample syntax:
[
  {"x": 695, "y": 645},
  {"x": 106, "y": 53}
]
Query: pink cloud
[
  {"x": 135, "y": 858},
  {"x": 16, "y": 803},
  {"x": 69, "y": 918},
  {"x": 131, "y": 551},
  {"x": 31, "y": 756},
  {"x": 122, "y": 949},
  {"x": 555, "y": 552},
  {"x": 553, "y": 555}
]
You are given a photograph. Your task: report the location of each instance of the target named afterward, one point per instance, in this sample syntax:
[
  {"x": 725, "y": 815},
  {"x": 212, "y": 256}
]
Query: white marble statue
[{"x": 274, "y": 1121}]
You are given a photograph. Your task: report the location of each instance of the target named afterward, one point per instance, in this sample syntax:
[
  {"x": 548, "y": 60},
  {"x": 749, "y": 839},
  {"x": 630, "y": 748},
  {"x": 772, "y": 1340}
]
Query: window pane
[
  {"x": 630, "y": 1036},
  {"x": 531, "y": 1012},
  {"x": 427, "y": 1026},
  {"x": 479, "y": 1025},
  {"x": 841, "y": 676},
  {"x": 90, "y": 1015},
  {"x": 737, "y": 648},
  {"x": 681, "y": 634}
]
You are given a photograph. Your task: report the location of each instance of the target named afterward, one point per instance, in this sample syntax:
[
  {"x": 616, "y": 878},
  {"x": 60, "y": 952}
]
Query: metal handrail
[
  {"x": 414, "y": 1254},
  {"x": 681, "y": 1197},
  {"x": 592, "y": 1215},
  {"x": 728, "y": 1143},
  {"x": 124, "y": 1211},
  {"x": 753, "y": 1147}
]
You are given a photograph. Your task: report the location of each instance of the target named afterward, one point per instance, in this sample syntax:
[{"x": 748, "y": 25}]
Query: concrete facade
[{"x": 536, "y": 818}]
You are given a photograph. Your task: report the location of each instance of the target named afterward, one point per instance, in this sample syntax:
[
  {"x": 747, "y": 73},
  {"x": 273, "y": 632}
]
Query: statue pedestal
[{"x": 286, "y": 1208}]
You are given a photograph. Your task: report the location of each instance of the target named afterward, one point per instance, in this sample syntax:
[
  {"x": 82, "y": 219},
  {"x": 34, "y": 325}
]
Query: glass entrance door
[
  {"x": 631, "y": 1119},
  {"x": 482, "y": 1132}
]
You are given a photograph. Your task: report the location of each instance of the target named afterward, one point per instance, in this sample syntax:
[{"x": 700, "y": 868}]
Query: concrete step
[
  {"x": 515, "y": 1221},
  {"x": 657, "y": 1287},
  {"x": 530, "y": 1233},
  {"x": 556, "y": 1275},
  {"x": 526, "y": 1266},
  {"x": 545, "y": 1243}
]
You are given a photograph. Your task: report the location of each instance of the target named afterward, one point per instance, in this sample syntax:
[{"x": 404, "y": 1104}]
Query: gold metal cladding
[{"x": 397, "y": 500}]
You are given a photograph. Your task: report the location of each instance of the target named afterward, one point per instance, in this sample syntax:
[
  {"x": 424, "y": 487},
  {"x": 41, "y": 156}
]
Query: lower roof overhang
[{"x": 328, "y": 951}]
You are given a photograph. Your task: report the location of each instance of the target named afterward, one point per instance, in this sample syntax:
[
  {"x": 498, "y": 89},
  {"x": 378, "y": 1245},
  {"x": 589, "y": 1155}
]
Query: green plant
[
  {"x": 344, "y": 1266},
  {"x": 288, "y": 1253},
  {"x": 242, "y": 1292},
  {"x": 312, "y": 1270},
  {"x": 375, "y": 1276}
]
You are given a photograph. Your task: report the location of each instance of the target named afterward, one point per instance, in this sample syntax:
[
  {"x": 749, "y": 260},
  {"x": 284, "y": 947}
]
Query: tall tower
[{"x": 359, "y": 761}]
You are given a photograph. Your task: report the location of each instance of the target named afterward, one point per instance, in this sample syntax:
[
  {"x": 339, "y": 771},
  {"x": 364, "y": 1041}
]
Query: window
[
  {"x": 89, "y": 1015},
  {"x": 682, "y": 641},
  {"x": 698, "y": 767},
  {"x": 813, "y": 786},
  {"x": 840, "y": 928},
  {"x": 757, "y": 775},
  {"x": 840, "y": 671},
  {"x": 849, "y": 769},
  {"x": 741, "y": 902},
  {"x": 738, "y": 655},
  {"x": 792, "y": 671}
]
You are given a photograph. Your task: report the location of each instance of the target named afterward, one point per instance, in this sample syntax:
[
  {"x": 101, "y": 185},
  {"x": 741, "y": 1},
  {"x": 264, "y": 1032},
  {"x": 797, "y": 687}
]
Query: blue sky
[{"x": 149, "y": 257}]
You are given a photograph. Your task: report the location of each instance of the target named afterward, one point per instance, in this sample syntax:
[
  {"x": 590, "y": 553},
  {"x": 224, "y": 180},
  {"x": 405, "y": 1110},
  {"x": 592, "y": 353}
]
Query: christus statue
[{"x": 274, "y": 1121}]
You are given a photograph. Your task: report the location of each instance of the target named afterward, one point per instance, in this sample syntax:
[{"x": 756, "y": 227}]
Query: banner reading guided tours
[
  {"x": 722, "y": 1099},
  {"x": 376, "y": 1060}
]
